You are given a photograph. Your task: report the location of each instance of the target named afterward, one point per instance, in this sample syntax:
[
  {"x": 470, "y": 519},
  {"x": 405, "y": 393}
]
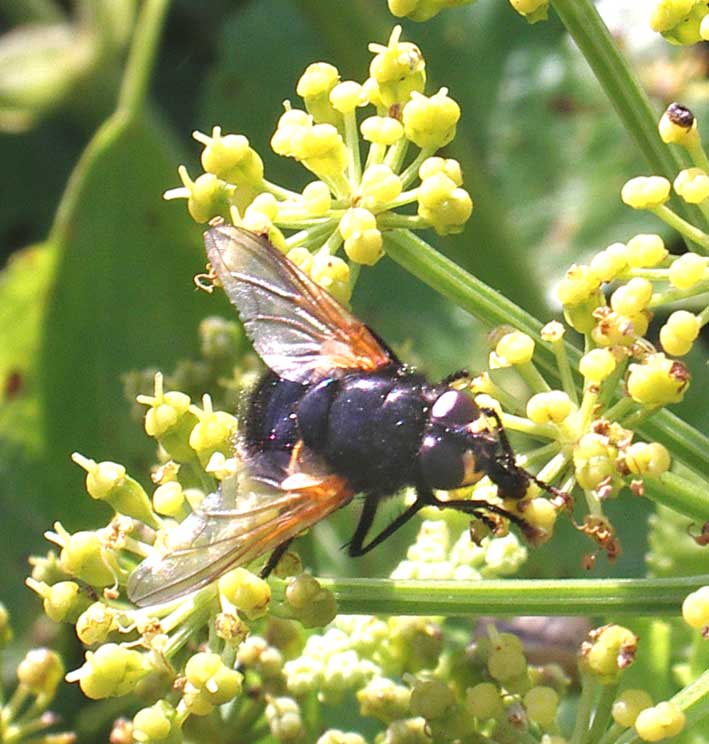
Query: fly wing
[
  {"x": 297, "y": 328},
  {"x": 220, "y": 536}
]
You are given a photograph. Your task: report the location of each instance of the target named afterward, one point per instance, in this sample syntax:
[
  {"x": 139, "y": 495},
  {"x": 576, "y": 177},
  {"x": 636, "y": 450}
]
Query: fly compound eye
[
  {"x": 454, "y": 408},
  {"x": 442, "y": 462}
]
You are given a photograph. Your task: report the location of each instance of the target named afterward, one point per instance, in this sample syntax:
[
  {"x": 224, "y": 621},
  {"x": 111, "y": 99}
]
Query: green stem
[
  {"x": 510, "y": 596},
  {"x": 141, "y": 58},
  {"x": 620, "y": 84},
  {"x": 683, "y": 227},
  {"x": 477, "y": 298},
  {"x": 680, "y": 494},
  {"x": 602, "y": 713},
  {"x": 584, "y": 709}
]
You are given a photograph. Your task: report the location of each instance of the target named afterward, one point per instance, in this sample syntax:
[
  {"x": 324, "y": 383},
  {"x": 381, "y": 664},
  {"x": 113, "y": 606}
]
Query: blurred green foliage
[{"x": 108, "y": 286}]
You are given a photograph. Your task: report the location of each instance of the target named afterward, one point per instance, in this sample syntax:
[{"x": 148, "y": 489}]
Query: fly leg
[{"x": 273, "y": 559}]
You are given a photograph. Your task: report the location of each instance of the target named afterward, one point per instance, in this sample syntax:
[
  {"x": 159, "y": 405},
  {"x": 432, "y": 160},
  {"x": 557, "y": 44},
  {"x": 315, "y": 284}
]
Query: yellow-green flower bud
[
  {"x": 215, "y": 682},
  {"x": 613, "y": 329},
  {"x": 317, "y": 198},
  {"x": 246, "y": 591},
  {"x": 515, "y": 348},
  {"x": 445, "y": 207},
  {"x": 379, "y": 186},
  {"x": 633, "y": 297},
  {"x": 553, "y": 332},
  {"x": 5, "y": 627},
  {"x": 346, "y": 96},
  {"x": 334, "y": 736},
  {"x": 169, "y": 499},
  {"x": 365, "y": 247},
  {"x": 651, "y": 459},
  {"x": 302, "y": 258},
  {"x": 695, "y": 608},
  {"x": 283, "y": 716},
  {"x": 628, "y": 706},
  {"x": 668, "y": 13},
  {"x": 382, "y": 130},
  {"x": 679, "y": 332},
  {"x": 541, "y": 513},
  {"x": 384, "y": 700},
  {"x": 62, "y": 602},
  {"x": 532, "y": 10},
  {"x": 688, "y": 270},
  {"x": 157, "y": 725},
  {"x": 313, "y": 605},
  {"x": 107, "y": 481},
  {"x": 646, "y": 192},
  {"x": 678, "y": 126},
  {"x": 578, "y": 286},
  {"x": 431, "y": 698},
  {"x": 333, "y": 275},
  {"x": 110, "y": 671},
  {"x": 207, "y": 196},
  {"x": 399, "y": 70},
  {"x": 692, "y": 184},
  {"x": 431, "y": 122},
  {"x": 659, "y": 722},
  {"x": 95, "y": 623},
  {"x": 230, "y": 158},
  {"x": 408, "y": 731},
  {"x": 597, "y": 364},
  {"x": 415, "y": 643},
  {"x": 645, "y": 251},
  {"x": 220, "y": 340},
  {"x": 323, "y": 151},
  {"x": 214, "y": 432},
  {"x": 688, "y": 30},
  {"x": 657, "y": 381},
  {"x": 484, "y": 701},
  {"x": 41, "y": 671},
  {"x": 291, "y": 128},
  {"x": 506, "y": 664},
  {"x": 447, "y": 166},
  {"x": 541, "y": 704},
  {"x": 314, "y": 88},
  {"x": 266, "y": 204},
  {"x": 82, "y": 556},
  {"x": 553, "y": 406},
  {"x": 609, "y": 651},
  {"x": 594, "y": 460},
  {"x": 607, "y": 264}
]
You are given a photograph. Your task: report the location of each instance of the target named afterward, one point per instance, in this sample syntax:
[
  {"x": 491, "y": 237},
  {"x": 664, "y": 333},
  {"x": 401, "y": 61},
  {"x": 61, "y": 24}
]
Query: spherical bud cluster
[
  {"x": 319, "y": 147},
  {"x": 608, "y": 263},
  {"x": 230, "y": 158},
  {"x": 695, "y": 609},
  {"x": 688, "y": 270},
  {"x": 431, "y": 698},
  {"x": 415, "y": 643},
  {"x": 95, "y": 623},
  {"x": 170, "y": 420},
  {"x": 597, "y": 364},
  {"x": 579, "y": 293},
  {"x": 550, "y": 407},
  {"x": 657, "y": 381},
  {"x": 312, "y": 605},
  {"x": 379, "y": 186},
  {"x": 659, "y": 722},
  {"x": 245, "y": 591},
  {"x": 646, "y": 192},
  {"x": 532, "y": 10},
  {"x": 214, "y": 432},
  {"x": 430, "y": 122},
  {"x": 679, "y": 332},
  {"x": 442, "y": 202},
  {"x": 447, "y": 166},
  {"x": 209, "y": 682},
  {"x": 333, "y": 275},
  {"x": 363, "y": 240},
  {"x": 335, "y": 736},
  {"x": 41, "y": 671},
  {"x": 283, "y": 716},
  {"x": 314, "y": 88},
  {"x": 692, "y": 184},
  {"x": 63, "y": 601},
  {"x": 347, "y": 96},
  {"x": 506, "y": 661},
  {"x": 513, "y": 348},
  {"x": 609, "y": 650},
  {"x": 382, "y": 130},
  {"x": 157, "y": 725},
  {"x": 383, "y": 699},
  {"x": 421, "y": 10},
  {"x": 628, "y": 706},
  {"x": 594, "y": 461},
  {"x": 540, "y": 513},
  {"x": 169, "y": 499},
  {"x": 614, "y": 329},
  {"x": 82, "y": 557},
  {"x": 110, "y": 671},
  {"x": 398, "y": 70},
  {"x": 645, "y": 251},
  {"x": 541, "y": 704},
  {"x": 107, "y": 481},
  {"x": 207, "y": 196},
  {"x": 503, "y": 556},
  {"x": 651, "y": 459},
  {"x": 632, "y": 298},
  {"x": 317, "y": 199},
  {"x": 407, "y": 731},
  {"x": 678, "y": 125},
  {"x": 484, "y": 701},
  {"x": 679, "y": 21}
]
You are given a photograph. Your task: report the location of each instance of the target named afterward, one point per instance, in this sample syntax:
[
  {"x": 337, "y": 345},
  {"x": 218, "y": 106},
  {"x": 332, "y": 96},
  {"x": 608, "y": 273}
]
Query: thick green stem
[
  {"x": 477, "y": 298},
  {"x": 613, "y": 597},
  {"x": 680, "y": 494},
  {"x": 143, "y": 53},
  {"x": 620, "y": 84}
]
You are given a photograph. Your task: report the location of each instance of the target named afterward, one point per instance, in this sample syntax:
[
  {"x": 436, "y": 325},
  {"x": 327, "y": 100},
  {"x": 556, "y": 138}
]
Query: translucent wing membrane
[
  {"x": 297, "y": 328},
  {"x": 220, "y": 536}
]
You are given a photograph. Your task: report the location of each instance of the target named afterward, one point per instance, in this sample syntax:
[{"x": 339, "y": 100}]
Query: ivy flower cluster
[
  {"x": 353, "y": 200},
  {"x": 24, "y": 714}
]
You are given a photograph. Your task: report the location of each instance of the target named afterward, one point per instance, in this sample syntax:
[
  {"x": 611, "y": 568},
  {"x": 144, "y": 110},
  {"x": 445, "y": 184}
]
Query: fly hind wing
[{"x": 215, "y": 539}]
